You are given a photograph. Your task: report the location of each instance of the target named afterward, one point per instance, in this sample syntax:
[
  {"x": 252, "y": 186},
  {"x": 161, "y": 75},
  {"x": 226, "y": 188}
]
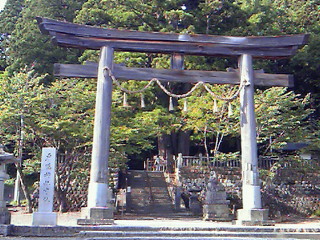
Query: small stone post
[
  {"x": 178, "y": 191},
  {"x": 45, "y": 214}
]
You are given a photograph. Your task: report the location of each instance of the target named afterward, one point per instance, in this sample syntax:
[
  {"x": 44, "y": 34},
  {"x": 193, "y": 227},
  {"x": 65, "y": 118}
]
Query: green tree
[
  {"x": 28, "y": 47},
  {"x": 8, "y": 18},
  {"x": 282, "y": 117}
]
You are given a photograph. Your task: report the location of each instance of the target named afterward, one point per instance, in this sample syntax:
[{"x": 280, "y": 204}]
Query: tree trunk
[
  {"x": 62, "y": 199},
  {"x": 184, "y": 143},
  {"x": 25, "y": 189},
  {"x": 165, "y": 151}
]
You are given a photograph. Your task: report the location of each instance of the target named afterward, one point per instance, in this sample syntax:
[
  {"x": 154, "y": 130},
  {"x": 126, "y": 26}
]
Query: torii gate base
[
  {"x": 96, "y": 216},
  {"x": 253, "y": 217}
]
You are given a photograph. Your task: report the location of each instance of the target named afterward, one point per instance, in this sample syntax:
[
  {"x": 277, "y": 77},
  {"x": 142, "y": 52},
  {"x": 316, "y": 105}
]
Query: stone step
[
  {"x": 149, "y": 193},
  {"x": 166, "y": 232},
  {"x": 189, "y": 238},
  {"x": 101, "y": 235}
]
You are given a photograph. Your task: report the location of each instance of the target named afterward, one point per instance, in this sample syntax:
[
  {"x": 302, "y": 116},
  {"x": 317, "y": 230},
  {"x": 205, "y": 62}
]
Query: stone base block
[
  {"x": 95, "y": 221},
  {"x": 253, "y": 217},
  {"x": 96, "y": 216},
  {"x": 216, "y": 212},
  {"x": 44, "y": 218},
  {"x": 5, "y": 230},
  {"x": 5, "y": 217}
]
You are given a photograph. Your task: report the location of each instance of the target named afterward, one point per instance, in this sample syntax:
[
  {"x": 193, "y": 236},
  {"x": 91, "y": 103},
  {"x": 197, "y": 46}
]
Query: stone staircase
[{"x": 149, "y": 194}]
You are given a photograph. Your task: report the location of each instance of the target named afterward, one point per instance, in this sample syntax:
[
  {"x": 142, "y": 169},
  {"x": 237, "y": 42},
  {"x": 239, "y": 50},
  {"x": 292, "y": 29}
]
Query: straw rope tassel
[
  {"x": 185, "y": 105},
  {"x": 215, "y": 106},
  {"x": 143, "y": 105},
  {"x": 230, "y": 112},
  {"x": 125, "y": 100},
  {"x": 171, "y": 104}
]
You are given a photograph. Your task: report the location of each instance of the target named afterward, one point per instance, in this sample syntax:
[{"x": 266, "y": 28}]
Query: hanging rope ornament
[
  {"x": 215, "y": 106},
  {"x": 185, "y": 105},
  {"x": 143, "y": 105},
  {"x": 125, "y": 100},
  {"x": 172, "y": 95},
  {"x": 171, "y": 108},
  {"x": 230, "y": 112}
]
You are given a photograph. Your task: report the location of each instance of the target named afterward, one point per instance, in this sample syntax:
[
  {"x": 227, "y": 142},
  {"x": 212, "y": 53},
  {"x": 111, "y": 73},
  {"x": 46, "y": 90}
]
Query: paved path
[{"x": 70, "y": 219}]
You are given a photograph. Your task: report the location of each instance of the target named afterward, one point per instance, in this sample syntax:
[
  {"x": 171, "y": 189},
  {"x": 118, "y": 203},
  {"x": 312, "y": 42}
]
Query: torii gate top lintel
[{"x": 67, "y": 34}]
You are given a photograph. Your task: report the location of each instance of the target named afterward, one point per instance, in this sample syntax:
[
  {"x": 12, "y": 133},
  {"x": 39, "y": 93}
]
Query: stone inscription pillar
[{"x": 45, "y": 214}]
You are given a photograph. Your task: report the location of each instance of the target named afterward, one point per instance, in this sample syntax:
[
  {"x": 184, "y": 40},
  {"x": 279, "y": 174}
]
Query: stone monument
[
  {"x": 215, "y": 205},
  {"x": 45, "y": 214},
  {"x": 5, "y": 158}
]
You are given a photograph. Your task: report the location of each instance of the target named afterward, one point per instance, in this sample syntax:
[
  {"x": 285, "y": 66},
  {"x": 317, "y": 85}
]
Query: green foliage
[
  {"x": 8, "y": 19},
  {"x": 61, "y": 115},
  {"x": 317, "y": 213},
  {"x": 58, "y": 116},
  {"x": 223, "y": 157},
  {"x": 26, "y": 45},
  {"x": 282, "y": 116}
]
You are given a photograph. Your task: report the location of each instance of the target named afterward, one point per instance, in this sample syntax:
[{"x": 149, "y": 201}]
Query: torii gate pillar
[
  {"x": 252, "y": 212},
  {"x": 99, "y": 209}
]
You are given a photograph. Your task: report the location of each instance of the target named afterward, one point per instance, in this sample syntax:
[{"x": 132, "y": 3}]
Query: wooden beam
[
  {"x": 201, "y": 49},
  {"x": 49, "y": 26},
  {"x": 172, "y": 75}
]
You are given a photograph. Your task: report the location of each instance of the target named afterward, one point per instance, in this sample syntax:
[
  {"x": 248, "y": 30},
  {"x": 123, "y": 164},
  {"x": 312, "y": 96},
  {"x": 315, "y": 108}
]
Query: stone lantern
[{"x": 5, "y": 158}]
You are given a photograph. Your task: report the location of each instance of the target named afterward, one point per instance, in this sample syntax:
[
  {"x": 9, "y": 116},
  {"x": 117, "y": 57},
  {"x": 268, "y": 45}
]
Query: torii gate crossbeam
[{"x": 79, "y": 36}]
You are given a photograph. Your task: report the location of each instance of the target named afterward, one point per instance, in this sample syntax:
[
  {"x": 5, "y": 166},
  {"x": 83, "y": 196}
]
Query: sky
[{"x": 2, "y": 2}]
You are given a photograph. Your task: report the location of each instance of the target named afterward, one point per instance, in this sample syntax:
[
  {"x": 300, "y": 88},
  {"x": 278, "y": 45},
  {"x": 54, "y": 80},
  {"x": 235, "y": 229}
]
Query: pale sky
[{"x": 2, "y": 2}]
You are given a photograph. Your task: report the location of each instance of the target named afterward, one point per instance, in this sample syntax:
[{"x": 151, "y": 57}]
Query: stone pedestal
[
  {"x": 5, "y": 158},
  {"x": 177, "y": 198},
  {"x": 100, "y": 208},
  {"x": 5, "y": 216},
  {"x": 216, "y": 205},
  {"x": 195, "y": 205},
  {"x": 253, "y": 217},
  {"x": 44, "y": 218},
  {"x": 96, "y": 216},
  {"x": 216, "y": 212}
]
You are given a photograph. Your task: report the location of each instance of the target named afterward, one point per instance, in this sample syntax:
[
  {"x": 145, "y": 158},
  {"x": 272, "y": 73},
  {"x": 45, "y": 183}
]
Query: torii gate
[{"x": 108, "y": 40}]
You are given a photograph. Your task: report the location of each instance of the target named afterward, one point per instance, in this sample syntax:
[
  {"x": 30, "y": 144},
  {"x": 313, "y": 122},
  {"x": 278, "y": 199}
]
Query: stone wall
[{"x": 292, "y": 190}]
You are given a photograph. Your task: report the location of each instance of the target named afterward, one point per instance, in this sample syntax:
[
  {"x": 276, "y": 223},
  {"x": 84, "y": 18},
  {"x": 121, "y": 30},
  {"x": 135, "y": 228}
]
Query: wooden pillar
[
  {"x": 98, "y": 210},
  {"x": 252, "y": 212},
  {"x": 177, "y": 62},
  {"x": 249, "y": 155}
]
